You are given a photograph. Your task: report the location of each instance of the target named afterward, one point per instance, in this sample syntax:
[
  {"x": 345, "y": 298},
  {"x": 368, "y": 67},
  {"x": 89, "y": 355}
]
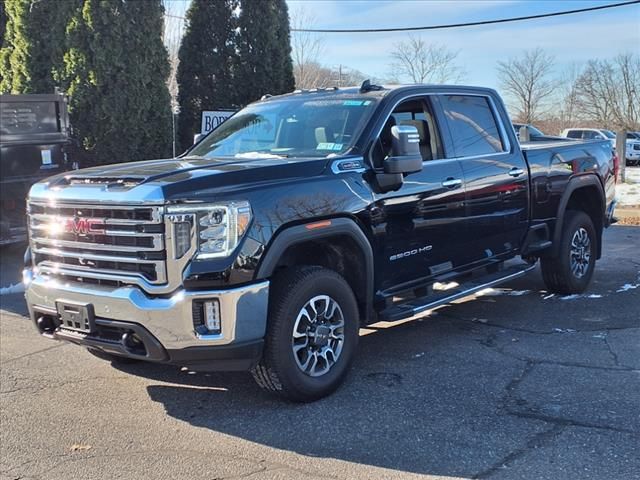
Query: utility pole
[
  {"x": 621, "y": 151},
  {"x": 174, "y": 111}
]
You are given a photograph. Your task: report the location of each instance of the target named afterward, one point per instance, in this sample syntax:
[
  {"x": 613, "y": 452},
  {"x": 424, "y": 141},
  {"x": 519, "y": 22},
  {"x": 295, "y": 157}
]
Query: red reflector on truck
[{"x": 316, "y": 225}]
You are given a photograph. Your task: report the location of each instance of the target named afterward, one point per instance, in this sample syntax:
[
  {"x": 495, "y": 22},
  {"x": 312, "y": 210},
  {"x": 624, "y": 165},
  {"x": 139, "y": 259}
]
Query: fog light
[{"x": 212, "y": 315}]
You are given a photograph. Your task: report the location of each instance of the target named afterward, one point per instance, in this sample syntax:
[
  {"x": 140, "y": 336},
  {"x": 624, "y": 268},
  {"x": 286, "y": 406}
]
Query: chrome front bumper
[{"x": 168, "y": 320}]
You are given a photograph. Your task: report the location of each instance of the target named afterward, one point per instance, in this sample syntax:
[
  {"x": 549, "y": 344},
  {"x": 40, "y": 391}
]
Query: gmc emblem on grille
[{"x": 85, "y": 226}]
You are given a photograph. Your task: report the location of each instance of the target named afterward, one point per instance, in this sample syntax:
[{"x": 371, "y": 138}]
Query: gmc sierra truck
[{"x": 304, "y": 217}]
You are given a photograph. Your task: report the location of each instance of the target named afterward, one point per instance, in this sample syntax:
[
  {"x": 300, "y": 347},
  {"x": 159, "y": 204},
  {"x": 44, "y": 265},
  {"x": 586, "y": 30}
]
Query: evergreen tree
[
  {"x": 33, "y": 44},
  {"x": 3, "y": 22},
  {"x": 115, "y": 70},
  {"x": 206, "y": 54},
  {"x": 282, "y": 57},
  {"x": 263, "y": 64}
]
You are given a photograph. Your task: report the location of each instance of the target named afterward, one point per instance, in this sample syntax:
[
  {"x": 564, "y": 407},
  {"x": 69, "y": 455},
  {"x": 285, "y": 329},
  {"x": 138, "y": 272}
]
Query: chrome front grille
[{"x": 99, "y": 244}]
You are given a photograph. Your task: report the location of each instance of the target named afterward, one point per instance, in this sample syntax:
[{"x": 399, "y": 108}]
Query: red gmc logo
[{"x": 84, "y": 226}]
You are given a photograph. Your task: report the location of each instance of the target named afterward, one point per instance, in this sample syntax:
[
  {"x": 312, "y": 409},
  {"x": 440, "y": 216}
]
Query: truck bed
[{"x": 552, "y": 142}]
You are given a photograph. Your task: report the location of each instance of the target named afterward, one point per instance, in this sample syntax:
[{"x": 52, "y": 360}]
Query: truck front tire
[
  {"x": 312, "y": 334},
  {"x": 571, "y": 271}
]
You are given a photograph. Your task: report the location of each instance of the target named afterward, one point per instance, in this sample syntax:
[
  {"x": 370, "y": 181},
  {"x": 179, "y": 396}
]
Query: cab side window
[
  {"x": 574, "y": 134},
  {"x": 474, "y": 128},
  {"x": 415, "y": 113}
]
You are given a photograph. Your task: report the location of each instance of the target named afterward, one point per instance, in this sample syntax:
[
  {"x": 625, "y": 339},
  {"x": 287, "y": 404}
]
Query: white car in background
[
  {"x": 590, "y": 134},
  {"x": 633, "y": 140},
  {"x": 633, "y": 148}
]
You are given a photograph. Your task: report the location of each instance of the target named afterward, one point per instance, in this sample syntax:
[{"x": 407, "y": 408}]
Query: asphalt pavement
[{"x": 513, "y": 384}]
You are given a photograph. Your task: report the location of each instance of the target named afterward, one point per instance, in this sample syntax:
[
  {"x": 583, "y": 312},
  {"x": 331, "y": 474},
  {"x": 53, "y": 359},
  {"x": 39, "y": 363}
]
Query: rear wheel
[
  {"x": 312, "y": 334},
  {"x": 571, "y": 271}
]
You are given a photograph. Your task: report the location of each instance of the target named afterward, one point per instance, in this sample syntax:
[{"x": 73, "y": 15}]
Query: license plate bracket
[{"x": 76, "y": 316}]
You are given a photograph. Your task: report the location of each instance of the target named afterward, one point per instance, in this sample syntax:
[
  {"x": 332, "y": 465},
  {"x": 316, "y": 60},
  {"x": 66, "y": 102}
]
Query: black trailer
[{"x": 34, "y": 139}]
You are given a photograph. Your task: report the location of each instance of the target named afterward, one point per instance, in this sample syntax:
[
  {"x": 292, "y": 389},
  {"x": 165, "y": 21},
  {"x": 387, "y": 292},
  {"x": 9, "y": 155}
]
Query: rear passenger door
[{"x": 495, "y": 175}]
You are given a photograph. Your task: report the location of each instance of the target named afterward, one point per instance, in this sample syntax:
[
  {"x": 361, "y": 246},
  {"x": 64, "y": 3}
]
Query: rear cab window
[{"x": 473, "y": 125}]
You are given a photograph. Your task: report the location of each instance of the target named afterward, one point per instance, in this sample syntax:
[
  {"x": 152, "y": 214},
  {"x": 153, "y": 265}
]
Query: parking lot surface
[{"x": 517, "y": 383}]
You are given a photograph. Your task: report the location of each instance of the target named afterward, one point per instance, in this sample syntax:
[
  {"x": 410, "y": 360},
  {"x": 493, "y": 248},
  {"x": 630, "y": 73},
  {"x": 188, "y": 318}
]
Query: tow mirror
[
  {"x": 405, "y": 151},
  {"x": 198, "y": 136}
]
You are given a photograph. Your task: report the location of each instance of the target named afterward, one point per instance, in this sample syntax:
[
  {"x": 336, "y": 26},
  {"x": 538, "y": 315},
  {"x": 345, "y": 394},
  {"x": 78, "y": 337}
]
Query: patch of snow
[
  {"x": 628, "y": 194},
  {"x": 564, "y": 330},
  {"x": 418, "y": 355},
  {"x": 481, "y": 320},
  {"x": 571, "y": 297},
  {"x": 489, "y": 292},
  {"x": 17, "y": 288},
  {"x": 628, "y": 286},
  {"x": 601, "y": 336},
  {"x": 594, "y": 295},
  {"x": 495, "y": 292},
  {"x": 549, "y": 296}
]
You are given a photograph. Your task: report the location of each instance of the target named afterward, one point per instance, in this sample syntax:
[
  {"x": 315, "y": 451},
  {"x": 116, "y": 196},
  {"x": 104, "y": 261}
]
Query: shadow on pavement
[
  {"x": 416, "y": 401},
  {"x": 14, "y": 303}
]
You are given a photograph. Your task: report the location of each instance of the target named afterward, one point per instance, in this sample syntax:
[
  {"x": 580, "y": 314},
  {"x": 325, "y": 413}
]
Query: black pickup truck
[{"x": 303, "y": 217}]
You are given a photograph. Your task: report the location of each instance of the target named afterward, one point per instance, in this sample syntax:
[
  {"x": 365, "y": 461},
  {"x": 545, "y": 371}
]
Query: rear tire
[
  {"x": 312, "y": 334},
  {"x": 571, "y": 271}
]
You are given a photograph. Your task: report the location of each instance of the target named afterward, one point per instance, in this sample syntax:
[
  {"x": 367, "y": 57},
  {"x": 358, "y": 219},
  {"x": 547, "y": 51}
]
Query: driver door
[{"x": 418, "y": 230}]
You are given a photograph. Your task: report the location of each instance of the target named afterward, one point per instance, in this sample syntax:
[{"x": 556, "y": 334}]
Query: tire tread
[{"x": 265, "y": 373}]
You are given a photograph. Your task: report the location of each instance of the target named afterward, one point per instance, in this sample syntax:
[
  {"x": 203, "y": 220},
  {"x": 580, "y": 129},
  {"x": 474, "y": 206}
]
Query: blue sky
[{"x": 570, "y": 39}]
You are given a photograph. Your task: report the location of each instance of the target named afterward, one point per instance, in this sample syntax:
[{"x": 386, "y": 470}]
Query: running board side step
[{"x": 422, "y": 304}]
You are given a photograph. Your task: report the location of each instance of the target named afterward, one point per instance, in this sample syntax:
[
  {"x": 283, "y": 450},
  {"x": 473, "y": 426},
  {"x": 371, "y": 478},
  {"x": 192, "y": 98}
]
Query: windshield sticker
[
  {"x": 352, "y": 103},
  {"x": 367, "y": 102},
  {"x": 329, "y": 146}
]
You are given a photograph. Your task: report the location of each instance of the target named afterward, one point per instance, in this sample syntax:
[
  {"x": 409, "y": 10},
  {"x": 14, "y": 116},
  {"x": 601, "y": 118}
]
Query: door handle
[
  {"x": 452, "y": 182},
  {"x": 516, "y": 172}
]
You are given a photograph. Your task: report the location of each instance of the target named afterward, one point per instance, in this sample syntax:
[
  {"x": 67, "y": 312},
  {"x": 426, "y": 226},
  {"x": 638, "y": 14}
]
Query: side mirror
[
  {"x": 405, "y": 151},
  {"x": 198, "y": 136}
]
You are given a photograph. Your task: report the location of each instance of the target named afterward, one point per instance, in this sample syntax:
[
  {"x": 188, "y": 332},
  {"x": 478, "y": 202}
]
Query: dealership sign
[{"x": 213, "y": 118}]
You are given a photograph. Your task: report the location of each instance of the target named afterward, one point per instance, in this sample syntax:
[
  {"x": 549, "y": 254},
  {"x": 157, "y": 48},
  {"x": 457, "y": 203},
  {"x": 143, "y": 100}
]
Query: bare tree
[
  {"x": 423, "y": 62},
  {"x": 609, "y": 92},
  {"x": 306, "y": 48},
  {"x": 172, "y": 36},
  {"x": 527, "y": 83},
  {"x": 569, "y": 112}
]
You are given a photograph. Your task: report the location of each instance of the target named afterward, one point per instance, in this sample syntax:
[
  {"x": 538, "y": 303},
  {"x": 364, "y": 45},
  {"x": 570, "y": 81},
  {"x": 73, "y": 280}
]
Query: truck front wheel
[
  {"x": 571, "y": 271},
  {"x": 312, "y": 334}
]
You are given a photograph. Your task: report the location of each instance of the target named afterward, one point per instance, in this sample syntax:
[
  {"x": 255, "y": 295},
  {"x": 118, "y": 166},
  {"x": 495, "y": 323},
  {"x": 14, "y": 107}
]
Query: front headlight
[{"x": 219, "y": 226}]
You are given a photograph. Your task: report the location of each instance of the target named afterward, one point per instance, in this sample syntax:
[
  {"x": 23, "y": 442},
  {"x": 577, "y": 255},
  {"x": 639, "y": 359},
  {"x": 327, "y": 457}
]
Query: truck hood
[{"x": 157, "y": 181}]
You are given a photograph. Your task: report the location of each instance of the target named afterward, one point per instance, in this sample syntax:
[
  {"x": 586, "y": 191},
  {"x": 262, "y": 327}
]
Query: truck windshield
[{"x": 298, "y": 126}]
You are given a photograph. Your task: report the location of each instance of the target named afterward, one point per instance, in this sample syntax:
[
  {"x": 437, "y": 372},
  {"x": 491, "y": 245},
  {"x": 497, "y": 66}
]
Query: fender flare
[
  {"x": 301, "y": 233},
  {"x": 574, "y": 184}
]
